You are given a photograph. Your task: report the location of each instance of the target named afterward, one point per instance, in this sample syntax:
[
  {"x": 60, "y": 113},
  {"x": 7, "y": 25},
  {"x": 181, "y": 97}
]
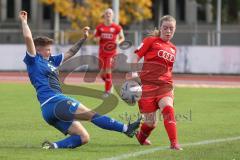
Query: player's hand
[
  {"x": 131, "y": 75},
  {"x": 23, "y": 16},
  {"x": 86, "y": 31},
  {"x": 134, "y": 77},
  {"x": 134, "y": 74}
]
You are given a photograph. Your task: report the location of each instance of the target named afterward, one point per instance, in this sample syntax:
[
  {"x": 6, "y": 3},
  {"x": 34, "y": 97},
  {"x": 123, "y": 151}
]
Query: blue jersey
[{"x": 43, "y": 75}]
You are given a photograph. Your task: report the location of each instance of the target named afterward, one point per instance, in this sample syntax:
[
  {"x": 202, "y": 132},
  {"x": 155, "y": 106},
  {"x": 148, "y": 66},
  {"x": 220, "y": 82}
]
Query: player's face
[
  {"x": 167, "y": 30},
  {"x": 45, "y": 51},
  {"x": 108, "y": 15}
]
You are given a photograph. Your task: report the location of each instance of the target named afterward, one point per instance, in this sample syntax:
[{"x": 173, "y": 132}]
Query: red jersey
[
  {"x": 159, "y": 57},
  {"x": 108, "y": 36}
]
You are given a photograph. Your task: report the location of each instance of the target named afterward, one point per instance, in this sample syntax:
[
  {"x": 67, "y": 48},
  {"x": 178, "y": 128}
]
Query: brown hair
[
  {"x": 42, "y": 41},
  {"x": 156, "y": 32}
]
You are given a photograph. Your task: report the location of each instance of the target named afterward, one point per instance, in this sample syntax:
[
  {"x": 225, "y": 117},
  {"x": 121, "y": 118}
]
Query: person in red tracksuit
[
  {"x": 157, "y": 83},
  {"x": 108, "y": 34}
]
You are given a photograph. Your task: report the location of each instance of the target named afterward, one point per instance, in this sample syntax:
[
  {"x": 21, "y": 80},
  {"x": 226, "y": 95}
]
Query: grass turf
[{"x": 202, "y": 113}]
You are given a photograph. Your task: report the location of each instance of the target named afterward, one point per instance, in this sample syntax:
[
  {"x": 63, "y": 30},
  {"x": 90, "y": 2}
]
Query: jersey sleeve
[
  {"x": 143, "y": 48},
  {"x": 29, "y": 59},
  {"x": 57, "y": 59},
  {"x": 118, "y": 28}
]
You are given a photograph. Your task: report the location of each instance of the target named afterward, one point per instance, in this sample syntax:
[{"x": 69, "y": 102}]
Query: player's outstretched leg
[
  {"x": 108, "y": 123},
  {"x": 132, "y": 127}
]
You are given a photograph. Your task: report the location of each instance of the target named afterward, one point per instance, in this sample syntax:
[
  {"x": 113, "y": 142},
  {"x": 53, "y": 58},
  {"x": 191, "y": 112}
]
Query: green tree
[{"x": 89, "y": 12}]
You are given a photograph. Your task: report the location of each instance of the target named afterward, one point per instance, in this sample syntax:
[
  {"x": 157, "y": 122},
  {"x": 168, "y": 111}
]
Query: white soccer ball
[{"x": 131, "y": 92}]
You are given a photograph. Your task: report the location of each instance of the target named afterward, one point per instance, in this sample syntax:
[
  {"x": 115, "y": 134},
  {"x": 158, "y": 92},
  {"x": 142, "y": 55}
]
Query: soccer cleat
[
  {"x": 145, "y": 143},
  {"x": 132, "y": 127},
  {"x": 47, "y": 145},
  {"x": 175, "y": 146},
  {"x": 106, "y": 95}
]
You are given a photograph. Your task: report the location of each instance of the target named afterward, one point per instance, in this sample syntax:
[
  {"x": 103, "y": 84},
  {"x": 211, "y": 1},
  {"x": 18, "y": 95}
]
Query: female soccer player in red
[
  {"x": 157, "y": 84},
  {"x": 108, "y": 34}
]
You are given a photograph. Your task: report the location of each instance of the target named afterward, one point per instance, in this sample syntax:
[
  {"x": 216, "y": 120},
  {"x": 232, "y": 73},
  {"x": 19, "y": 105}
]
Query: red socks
[
  {"x": 145, "y": 131},
  {"x": 107, "y": 78},
  {"x": 170, "y": 123},
  {"x": 103, "y": 76},
  {"x": 108, "y": 82}
]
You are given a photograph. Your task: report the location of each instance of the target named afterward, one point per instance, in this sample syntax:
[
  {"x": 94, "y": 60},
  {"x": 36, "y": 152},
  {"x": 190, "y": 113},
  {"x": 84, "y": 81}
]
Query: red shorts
[
  {"x": 150, "y": 103},
  {"x": 106, "y": 62}
]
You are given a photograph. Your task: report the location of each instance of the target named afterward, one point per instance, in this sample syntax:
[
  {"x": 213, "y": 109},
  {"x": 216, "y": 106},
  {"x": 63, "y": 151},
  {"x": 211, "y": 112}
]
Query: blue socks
[
  {"x": 103, "y": 122},
  {"x": 72, "y": 141},
  {"x": 107, "y": 123}
]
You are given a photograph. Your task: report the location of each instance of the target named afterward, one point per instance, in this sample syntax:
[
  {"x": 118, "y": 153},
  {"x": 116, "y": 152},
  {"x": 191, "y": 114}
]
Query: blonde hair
[
  {"x": 156, "y": 32},
  {"x": 107, "y": 10}
]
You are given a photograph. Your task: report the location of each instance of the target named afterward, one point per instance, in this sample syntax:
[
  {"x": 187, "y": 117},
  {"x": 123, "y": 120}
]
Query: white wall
[
  {"x": 189, "y": 59},
  {"x": 12, "y": 57},
  {"x": 208, "y": 60}
]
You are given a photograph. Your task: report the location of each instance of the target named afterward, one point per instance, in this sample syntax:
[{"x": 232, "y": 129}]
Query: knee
[
  {"x": 151, "y": 124},
  {"x": 85, "y": 138},
  {"x": 166, "y": 101}
]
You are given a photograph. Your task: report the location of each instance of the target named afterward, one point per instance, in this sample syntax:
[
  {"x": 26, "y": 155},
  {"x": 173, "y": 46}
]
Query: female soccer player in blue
[{"x": 58, "y": 110}]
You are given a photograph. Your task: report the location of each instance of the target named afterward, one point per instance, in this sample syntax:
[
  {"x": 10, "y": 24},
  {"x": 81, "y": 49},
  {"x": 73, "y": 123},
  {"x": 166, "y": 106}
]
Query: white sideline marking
[{"x": 148, "y": 151}]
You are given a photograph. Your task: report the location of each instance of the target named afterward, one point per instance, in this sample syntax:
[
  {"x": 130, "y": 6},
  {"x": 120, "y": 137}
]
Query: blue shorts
[{"x": 59, "y": 112}]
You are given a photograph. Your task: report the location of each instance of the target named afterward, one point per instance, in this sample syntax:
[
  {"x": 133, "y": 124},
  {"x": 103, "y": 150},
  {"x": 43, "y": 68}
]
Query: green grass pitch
[{"x": 202, "y": 113}]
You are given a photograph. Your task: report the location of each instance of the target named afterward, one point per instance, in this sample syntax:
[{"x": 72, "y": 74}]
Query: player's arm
[
  {"x": 96, "y": 36},
  {"x": 134, "y": 69},
  {"x": 139, "y": 54},
  {"x": 27, "y": 34},
  {"x": 76, "y": 47},
  {"x": 121, "y": 37},
  {"x": 134, "y": 64},
  {"x": 96, "y": 39},
  {"x": 135, "y": 58}
]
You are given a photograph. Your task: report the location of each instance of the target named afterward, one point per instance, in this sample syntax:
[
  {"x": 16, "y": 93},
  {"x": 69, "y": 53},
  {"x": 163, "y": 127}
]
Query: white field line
[{"x": 152, "y": 150}]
